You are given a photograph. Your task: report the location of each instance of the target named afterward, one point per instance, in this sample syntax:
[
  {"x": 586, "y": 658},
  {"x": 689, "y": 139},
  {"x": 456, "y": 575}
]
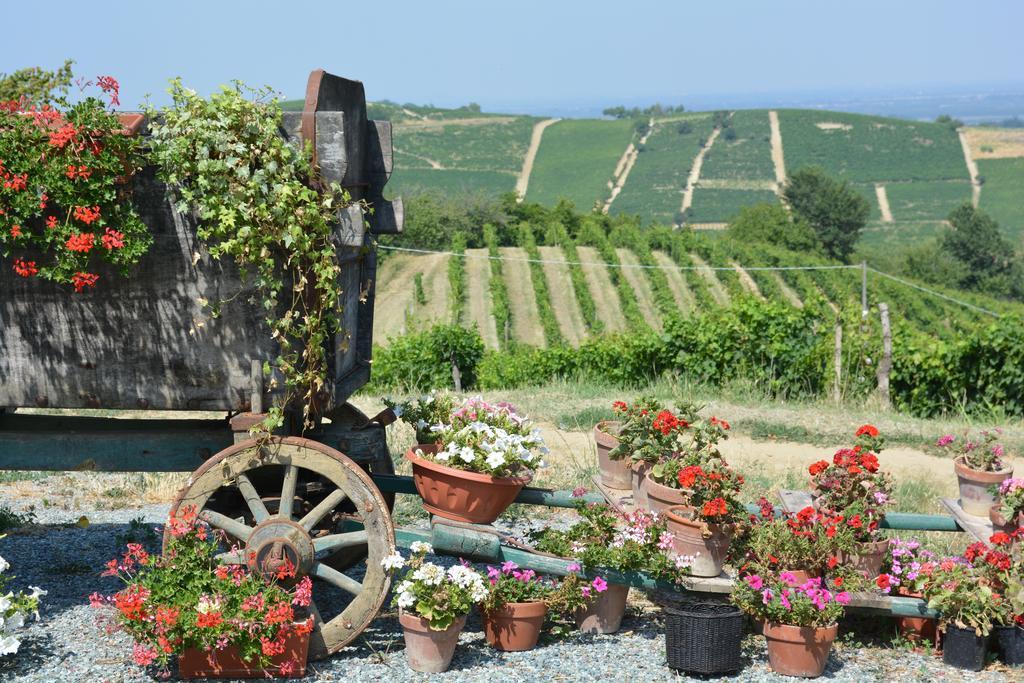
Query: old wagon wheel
[{"x": 297, "y": 530}]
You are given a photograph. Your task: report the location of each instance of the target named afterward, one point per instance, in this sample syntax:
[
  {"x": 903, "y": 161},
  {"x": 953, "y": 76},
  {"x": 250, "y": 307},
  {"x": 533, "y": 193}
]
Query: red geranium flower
[
  {"x": 25, "y": 268},
  {"x": 817, "y": 468},
  {"x": 870, "y": 430}
]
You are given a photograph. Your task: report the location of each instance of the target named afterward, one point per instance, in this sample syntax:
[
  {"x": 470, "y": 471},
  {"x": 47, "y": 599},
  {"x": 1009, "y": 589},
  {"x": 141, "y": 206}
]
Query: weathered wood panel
[{"x": 147, "y": 341}]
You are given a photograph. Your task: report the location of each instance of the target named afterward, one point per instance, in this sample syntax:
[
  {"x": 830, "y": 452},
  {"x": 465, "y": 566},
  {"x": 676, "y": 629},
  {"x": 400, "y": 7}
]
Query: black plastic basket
[
  {"x": 704, "y": 637},
  {"x": 1010, "y": 643}
]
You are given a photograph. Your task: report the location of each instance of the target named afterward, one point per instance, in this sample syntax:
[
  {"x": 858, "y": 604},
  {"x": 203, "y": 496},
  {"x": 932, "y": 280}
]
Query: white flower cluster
[
  {"x": 14, "y": 609},
  {"x": 393, "y": 561},
  {"x": 433, "y": 576},
  {"x": 480, "y": 446}
]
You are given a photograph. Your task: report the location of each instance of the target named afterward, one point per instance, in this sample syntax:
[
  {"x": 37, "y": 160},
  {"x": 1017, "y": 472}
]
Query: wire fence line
[{"x": 642, "y": 266}]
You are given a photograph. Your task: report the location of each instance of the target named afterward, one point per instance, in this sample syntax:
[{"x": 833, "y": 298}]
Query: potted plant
[
  {"x": 800, "y": 619},
  {"x": 696, "y": 445},
  {"x": 582, "y": 599},
  {"x": 978, "y": 462},
  {"x": 852, "y": 486},
  {"x": 906, "y": 569},
  {"x": 602, "y": 540},
  {"x": 515, "y": 607},
  {"x": 433, "y": 604},
  {"x": 1010, "y": 637},
  {"x": 649, "y": 433},
  {"x": 1008, "y": 513},
  {"x": 221, "y": 620},
  {"x": 616, "y": 473},
  {"x": 703, "y": 526},
  {"x": 484, "y": 455},
  {"x": 425, "y": 413},
  {"x": 806, "y": 544},
  {"x": 968, "y": 605},
  {"x": 15, "y": 608},
  {"x": 1001, "y": 566}
]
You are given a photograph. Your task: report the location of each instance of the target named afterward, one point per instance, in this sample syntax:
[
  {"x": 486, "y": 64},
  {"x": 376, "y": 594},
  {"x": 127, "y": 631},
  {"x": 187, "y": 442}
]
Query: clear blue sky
[{"x": 517, "y": 53}]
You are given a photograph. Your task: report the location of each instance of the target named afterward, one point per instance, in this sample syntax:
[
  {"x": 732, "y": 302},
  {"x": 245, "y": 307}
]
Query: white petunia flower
[
  {"x": 495, "y": 460},
  {"x": 393, "y": 561},
  {"x": 467, "y": 454},
  {"x": 421, "y": 547},
  {"x": 36, "y": 592},
  {"x": 9, "y": 645},
  {"x": 4, "y": 565},
  {"x": 14, "y": 622}
]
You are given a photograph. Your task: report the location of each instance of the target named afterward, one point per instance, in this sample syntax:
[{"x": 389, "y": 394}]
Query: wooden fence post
[
  {"x": 837, "y": 391},
  {"x": 885, "y": 366}
]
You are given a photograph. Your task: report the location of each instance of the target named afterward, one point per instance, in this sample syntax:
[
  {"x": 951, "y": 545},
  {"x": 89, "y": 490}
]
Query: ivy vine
[{"x": 258, "y": 204}]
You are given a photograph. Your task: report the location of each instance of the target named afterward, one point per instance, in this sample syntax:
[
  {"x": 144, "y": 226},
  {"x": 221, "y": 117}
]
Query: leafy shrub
[
  {"x": 423, "y": 360},
  {"x": 457, "y": 277}
]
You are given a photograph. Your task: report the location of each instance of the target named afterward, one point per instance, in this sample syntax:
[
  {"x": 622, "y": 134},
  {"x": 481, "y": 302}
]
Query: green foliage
[
  {"x": 457, "y": 278},
  {"x": 593, "y": 234},
  {"x": 228, "y": 162},
  {"x": 929, "y": 262},
  {"x": 501, "y": 309},
  {"x": 545, "y": 311},
  {"x": 558, "y": 236},
  {"x": 65, "y": 204},
  {"x": 36, "y": 85},
  {"x": 714, "y": 205},
  {"x": 870, "y": 149},
  {"x": 743, "y": 152},
  {"x": 1001, "y": 195},
  {"x": 989, "y": 262},
  {"x": 419, "y": 293},
  {"x": 949, "y": 122},
  {"x": 423, "y": 360},
  {"x": 836, "y": 211},
  {"x": 576, "y": 159},
  {"x": 770, "y": 223},
  {"x": 432, "y": 221},
  {"x": 926, "y": 201},
  {"x": 632, "y": 238}
]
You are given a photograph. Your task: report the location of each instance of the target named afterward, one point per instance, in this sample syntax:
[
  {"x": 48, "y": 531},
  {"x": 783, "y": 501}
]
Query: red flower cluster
[
  {"x": 716, "y": 507},
  {"x": 817, "y": 468},
  {"x": 665, "y": 422},
  {"x": 87, "y": 215},
  {"x": 13, "y": 181},
  {"x": 81, "y": 241},
  {"x": 869, "y": 430},
  {"x": 63, "y": 135},
  {"x": 25, "y": 268},
  {"x": 112, "y": 239},
  {"x": 109, "y": 85},
  {"x": 854, "y": 460},
  {"x": 722, "y": 423}
]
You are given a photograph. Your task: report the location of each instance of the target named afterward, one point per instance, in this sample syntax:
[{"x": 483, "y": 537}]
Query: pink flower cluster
[
  {"x": 813, "y": 589},
  {"x": 637, "y": 528},
  {"x": 1010, "y": 485}
]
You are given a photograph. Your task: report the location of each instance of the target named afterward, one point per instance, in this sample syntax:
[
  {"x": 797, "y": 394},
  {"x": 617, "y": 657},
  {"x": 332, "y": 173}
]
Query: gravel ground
[{"x": 67, "y": 645}]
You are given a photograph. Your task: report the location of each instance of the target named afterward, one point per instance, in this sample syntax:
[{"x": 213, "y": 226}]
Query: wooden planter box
[{"x": 228, "y": 663}]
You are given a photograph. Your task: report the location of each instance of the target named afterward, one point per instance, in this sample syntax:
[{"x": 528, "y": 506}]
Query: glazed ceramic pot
[{"x": 459, "y": 495}]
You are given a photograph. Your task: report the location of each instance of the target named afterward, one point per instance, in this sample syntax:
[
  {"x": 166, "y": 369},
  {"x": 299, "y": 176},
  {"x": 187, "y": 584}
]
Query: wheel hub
[{"x": 276, "y": 544}]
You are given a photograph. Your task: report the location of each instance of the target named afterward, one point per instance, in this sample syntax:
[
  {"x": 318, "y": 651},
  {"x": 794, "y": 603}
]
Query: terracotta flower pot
[
  {"x": 802, "y": 575},
  {"x": 228, "y": 663},
  {"x": 516, "y": 626},
  {"x": 661, "y": 497},
  {"x": 604, "y": 613},
  {"x": 708, "y": 543},
  {"x": 1000, "y": 523},
  {"x": 615, "y": 474},
  {"x": 975, "y": 498},
  {"x": 799, "y": 650},
  {"x": 917, "y": 630},
  {"x": 867, "y": 559},
  {"x": 426, "y": 649},
  {"x": 638, "y": 483},
  {"x": 459, "y": 495}
]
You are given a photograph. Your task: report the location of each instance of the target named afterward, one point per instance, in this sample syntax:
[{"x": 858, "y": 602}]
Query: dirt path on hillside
[
  {"x": 523, "y": 181},
  {"x": 718, "y": 292},
  {"x": 396, "y": 310},
  {"x": 433, "y": 164},
  {"x": 972, "y": 168},
  {"x": 787, "y": 291},
  {"x": 691, "y": 180},
  {"x": 522, "y": 299},
  {"x": 778, "y": 158},
  {"x": 602, "y": 291},
  {"x": 747, "y": 281},
  {"x": 676, "y": 282},
  {"x": 625, "y": 165},
  {"x": 883, "y": 202},
  {"x": 563, "y": 296},
  {"x": 478, "y": 275},
  {"x": 641, "y": 286}
]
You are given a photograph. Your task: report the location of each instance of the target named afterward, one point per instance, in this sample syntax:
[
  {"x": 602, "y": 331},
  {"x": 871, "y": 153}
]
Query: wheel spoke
[
  {"x": 326, "y": 505},
  {"x": 291, "y": 477},
  {"x": 335, "y": 577},
  {"x": 339, "y": 541},
  {"x": 232, "y": 557},
  {"x": 236, "y": 529},
  {"x": 252, "y": 498}
]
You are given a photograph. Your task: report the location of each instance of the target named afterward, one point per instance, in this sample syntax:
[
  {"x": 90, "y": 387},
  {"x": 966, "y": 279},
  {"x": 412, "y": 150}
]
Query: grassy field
[
  {"x": 713, "y": 205},
  {"x": 497, "y": 145},
  {"x": 1002, "y": 195},
  {"x": 576, "y": 160},
  {"x": 869, "y": 149},
  {"x": 655, "y": 186},
  {"x": 409, "y": 181},
  {"x": 748, "y": 156}
]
